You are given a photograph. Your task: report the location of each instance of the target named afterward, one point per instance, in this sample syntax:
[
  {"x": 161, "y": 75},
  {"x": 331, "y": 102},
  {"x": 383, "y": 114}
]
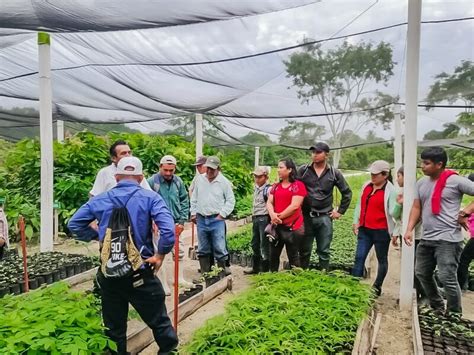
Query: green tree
[
  {"x": 338, "y": 80},
  {"x": 305, "y": 133},
  {"x": 186, "y": 127}
]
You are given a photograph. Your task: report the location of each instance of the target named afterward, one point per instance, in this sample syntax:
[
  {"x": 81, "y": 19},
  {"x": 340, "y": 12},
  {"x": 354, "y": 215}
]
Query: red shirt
[
  {"x": 282, "y": 199},
  {"x": 372, "y": 208}
]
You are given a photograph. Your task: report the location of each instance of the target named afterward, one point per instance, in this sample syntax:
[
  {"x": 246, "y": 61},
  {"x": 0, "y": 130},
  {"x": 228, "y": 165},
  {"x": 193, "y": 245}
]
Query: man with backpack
[
  {"x": 320, "y": 179},
  {"x": 260, "y": 219},
  {"x": 171, "y": 188},
  {"x": 128, "y": 260}
]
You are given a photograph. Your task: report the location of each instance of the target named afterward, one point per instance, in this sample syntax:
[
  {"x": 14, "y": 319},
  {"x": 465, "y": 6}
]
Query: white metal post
[
  {"x": 257, "y": 157},
  {"x": 397, "y": 144},
  {"x": 411, "y": 93},
  {"x": 46, "y": 141},
  {"x": 60, "y": 130},
  {"x": 199, "y": 131}
]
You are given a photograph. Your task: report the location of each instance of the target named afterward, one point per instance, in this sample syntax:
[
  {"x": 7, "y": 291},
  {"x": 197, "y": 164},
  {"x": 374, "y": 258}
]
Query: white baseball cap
[
  {"x": 129, "y": 166},
  {"x": 379, "y": 166},
  {"x": 168, "y": 159}
]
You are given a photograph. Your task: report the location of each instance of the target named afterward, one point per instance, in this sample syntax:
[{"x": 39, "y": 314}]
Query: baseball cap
[
  {"x": 168, "y": 159},
  {"x": 379, "y": 166},
  {"x": 200, "y": 160},
  {"x": 320, "y": 147},
  {"x": 261, "y": 170},
  {"x": 212, "y": 162},
  {"x": 129, "y": 166}
]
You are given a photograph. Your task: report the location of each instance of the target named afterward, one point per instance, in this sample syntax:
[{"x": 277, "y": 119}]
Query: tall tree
[
  {"x": 338, "y": 80},
  {"x": 305, "y": 133}
]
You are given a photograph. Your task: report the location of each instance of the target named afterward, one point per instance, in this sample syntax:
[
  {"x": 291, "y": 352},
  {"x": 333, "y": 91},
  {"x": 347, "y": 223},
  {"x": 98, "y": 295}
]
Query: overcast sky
[{"x": 256, "y": 86}]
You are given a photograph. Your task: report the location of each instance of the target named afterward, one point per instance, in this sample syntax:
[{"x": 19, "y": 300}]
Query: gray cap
[
  {"x": 168, "y": 159},
  {"x": 200, "y": 160},
  {"x": 379, "y": 166},
  {"x": 320, "y": 147},
  {"x": 212, "y": 162},
  {"x": 261, "y": 170}
]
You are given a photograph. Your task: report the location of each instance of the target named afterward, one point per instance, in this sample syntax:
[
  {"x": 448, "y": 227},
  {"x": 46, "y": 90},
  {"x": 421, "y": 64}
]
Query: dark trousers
[
  {"x": 380, "y": 240},
  {"x": 467, "y": 256},
  {"x": 289, "y": 239},
  {"x": 446, "y": 256},
  {"x": 317, "y": 228},
  {"x": 260, "y": 243},
  {"x": 148, "y": 300}
]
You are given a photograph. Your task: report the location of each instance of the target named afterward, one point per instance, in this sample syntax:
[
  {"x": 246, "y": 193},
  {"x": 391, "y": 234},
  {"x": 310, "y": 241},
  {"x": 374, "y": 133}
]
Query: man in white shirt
[
  {"x": 105, "y": 179},
  {"x": 212, "y": 201}
]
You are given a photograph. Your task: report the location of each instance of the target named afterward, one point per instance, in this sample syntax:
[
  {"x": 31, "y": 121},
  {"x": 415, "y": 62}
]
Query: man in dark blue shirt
[{"x": 143, "y": 290}]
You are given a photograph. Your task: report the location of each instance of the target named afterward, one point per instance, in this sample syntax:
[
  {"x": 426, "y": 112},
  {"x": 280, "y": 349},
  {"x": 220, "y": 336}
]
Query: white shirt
[
  {"x": 214, "y": 197},
  {"x": 105, "y": 180}
]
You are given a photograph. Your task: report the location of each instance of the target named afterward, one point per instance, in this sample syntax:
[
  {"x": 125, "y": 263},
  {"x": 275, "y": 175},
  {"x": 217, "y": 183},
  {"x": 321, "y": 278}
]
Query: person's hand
[
  {"x": 275, "y": 219},
  {"x": 355, "y": 229},
  {"x": 462, "y": 220},
  {"x": 193, "y": 218},
  {"x": 408, "y": 238},
  {"x": 155, "y": 261},
  {"x": 178, "y": 229},
  {"x": 2, "y": 241},
  {"x": 400, "y": 199},
  {"x": 220, "y": 218},
  {"x": 94, "y": 226},
  {"x": 335, "y": 215},
  {"x": 395, "y": 240}
]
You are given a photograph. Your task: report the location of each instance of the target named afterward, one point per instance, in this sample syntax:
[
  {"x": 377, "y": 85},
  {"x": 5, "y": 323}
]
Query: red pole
[
  {"x": 23, "y": 248},
  {"x": 176, "y": 278}
]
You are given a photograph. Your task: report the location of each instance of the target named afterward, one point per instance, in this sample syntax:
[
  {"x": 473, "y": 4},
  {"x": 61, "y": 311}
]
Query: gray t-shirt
[
  {"x": 443, "y": 226},
  {"x": 259, "y": 203}
]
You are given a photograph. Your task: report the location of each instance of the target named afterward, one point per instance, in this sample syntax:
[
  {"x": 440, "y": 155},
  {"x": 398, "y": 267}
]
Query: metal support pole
[
  {"x": 411, "y": 93},
  {"x": 397, "y": 146},
  {"x": 46, "y": 141},
  {"x": 199, "y": 134},
  {"x": 60, "y": 130},
  {"x": 257, "y": 157}
]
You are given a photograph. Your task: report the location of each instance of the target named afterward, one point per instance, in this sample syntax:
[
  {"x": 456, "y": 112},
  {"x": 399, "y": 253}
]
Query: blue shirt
[{"x": 143, "y": 207}]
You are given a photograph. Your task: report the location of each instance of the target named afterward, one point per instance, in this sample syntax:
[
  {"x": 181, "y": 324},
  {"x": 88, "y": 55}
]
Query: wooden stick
[{"x": 23, "y": 249}]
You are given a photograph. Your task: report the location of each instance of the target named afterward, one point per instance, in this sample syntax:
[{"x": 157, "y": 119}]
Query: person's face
[
  {"x": 167, "y": 171},
  {"x": 400, "y": 179},
  {"x": 319, "y": 156},
  {"x": 211, "y": 173},
  {"x": 378, "y": 179},
  {"x": 260, "y": 179},
  {"x": 283, "y": 171},
  {"x": 431, "y": 168},
  {"x": 121, "y": 151},
  {"x": 201, "y": 169}
]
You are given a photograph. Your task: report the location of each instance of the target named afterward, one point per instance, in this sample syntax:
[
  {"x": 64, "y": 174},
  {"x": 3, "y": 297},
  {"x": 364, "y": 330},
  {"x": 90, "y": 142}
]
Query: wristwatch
[{"x": 464, "y": 214}]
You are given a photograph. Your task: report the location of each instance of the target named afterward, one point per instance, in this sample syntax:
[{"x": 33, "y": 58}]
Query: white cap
[
  {"x": 379, "y": 166},
  {"x": 129, "y": 166},
  {"x": 168, "y": 159}
]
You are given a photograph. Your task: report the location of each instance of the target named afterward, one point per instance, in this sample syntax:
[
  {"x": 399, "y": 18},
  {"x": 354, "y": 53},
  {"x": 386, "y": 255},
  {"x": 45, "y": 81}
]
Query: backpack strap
[{"x": 126, "y": 202}]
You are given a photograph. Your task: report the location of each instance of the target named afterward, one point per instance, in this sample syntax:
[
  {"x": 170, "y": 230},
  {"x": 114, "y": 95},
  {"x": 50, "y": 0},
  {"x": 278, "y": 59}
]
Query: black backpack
[{"x": 119, "y": 255}]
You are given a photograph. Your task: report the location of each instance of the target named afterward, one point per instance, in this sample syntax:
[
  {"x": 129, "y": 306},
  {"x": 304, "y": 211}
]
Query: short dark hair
[
  {"x": 436, "y": 155},
  {"x": 471, "y": 176},
  {"x": 290, "y": 164},
  {"x": 112, "y": 150}
]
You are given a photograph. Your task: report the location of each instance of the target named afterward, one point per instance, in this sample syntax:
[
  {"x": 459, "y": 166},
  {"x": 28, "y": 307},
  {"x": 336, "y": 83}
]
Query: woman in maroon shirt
[
  {"x": 284, "y": 206},
  {"x": 373, "y": 220}
]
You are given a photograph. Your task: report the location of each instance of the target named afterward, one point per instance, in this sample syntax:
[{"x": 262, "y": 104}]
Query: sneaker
[{"x": 377, "y": 290}]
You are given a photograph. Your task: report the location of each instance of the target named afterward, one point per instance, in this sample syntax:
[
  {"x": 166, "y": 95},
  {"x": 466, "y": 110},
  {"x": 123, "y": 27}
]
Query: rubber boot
[
  {"x": 205, "y": 263},
  {"x": 265, "y": 266},
  {"x": 255, "y": 268},
  {"x": 222, "y": 263},
  {"x": 181, "y": 280},
  {"x": 163, "y": 276}
]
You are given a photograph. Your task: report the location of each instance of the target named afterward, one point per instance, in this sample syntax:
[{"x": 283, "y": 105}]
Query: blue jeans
[
  {"x": 211, "y": 237},
  {"x": 319, "y": 228},
  {"x": 380, "y": 240},
  {"x": 446, "y": 256}
]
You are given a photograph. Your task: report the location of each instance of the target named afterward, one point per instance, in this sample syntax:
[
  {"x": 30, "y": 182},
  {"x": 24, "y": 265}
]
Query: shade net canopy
[{"x": 145, "y": 62}]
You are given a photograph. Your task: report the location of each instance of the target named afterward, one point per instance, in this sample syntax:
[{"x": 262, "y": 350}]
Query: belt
[
  {"x": 260, "y": 216},
  {"x": 319, "y": 214},
  {"x": 210, "y": 216}
]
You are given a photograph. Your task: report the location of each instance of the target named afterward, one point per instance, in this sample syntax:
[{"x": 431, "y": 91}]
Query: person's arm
[
  {"x": 98, "y": 186},
  {"x": 464, "y": 215},
  {"x": 79, "y": 224},
  {"x": 295, "y": 204},
  {"x": 271, "y": 211},
  {"x": 229, "y": 201},
  {"x": 151, "y": 183},
  {"x": 346, "y": 193},
  {"x": 356, "y": 217},
  {"x": 415, "y": 214},
  {"x": 163, "y": 219},
  {"x": 184, "y": 203},
  {"x": 193, "y": 207},
  {"x": 394, "y": 208},
  {"x": 145, "y": 185}
]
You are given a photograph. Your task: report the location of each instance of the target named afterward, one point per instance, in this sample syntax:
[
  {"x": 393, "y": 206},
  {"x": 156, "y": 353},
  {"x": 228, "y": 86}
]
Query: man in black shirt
[{"x": 320, "y": 179}]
